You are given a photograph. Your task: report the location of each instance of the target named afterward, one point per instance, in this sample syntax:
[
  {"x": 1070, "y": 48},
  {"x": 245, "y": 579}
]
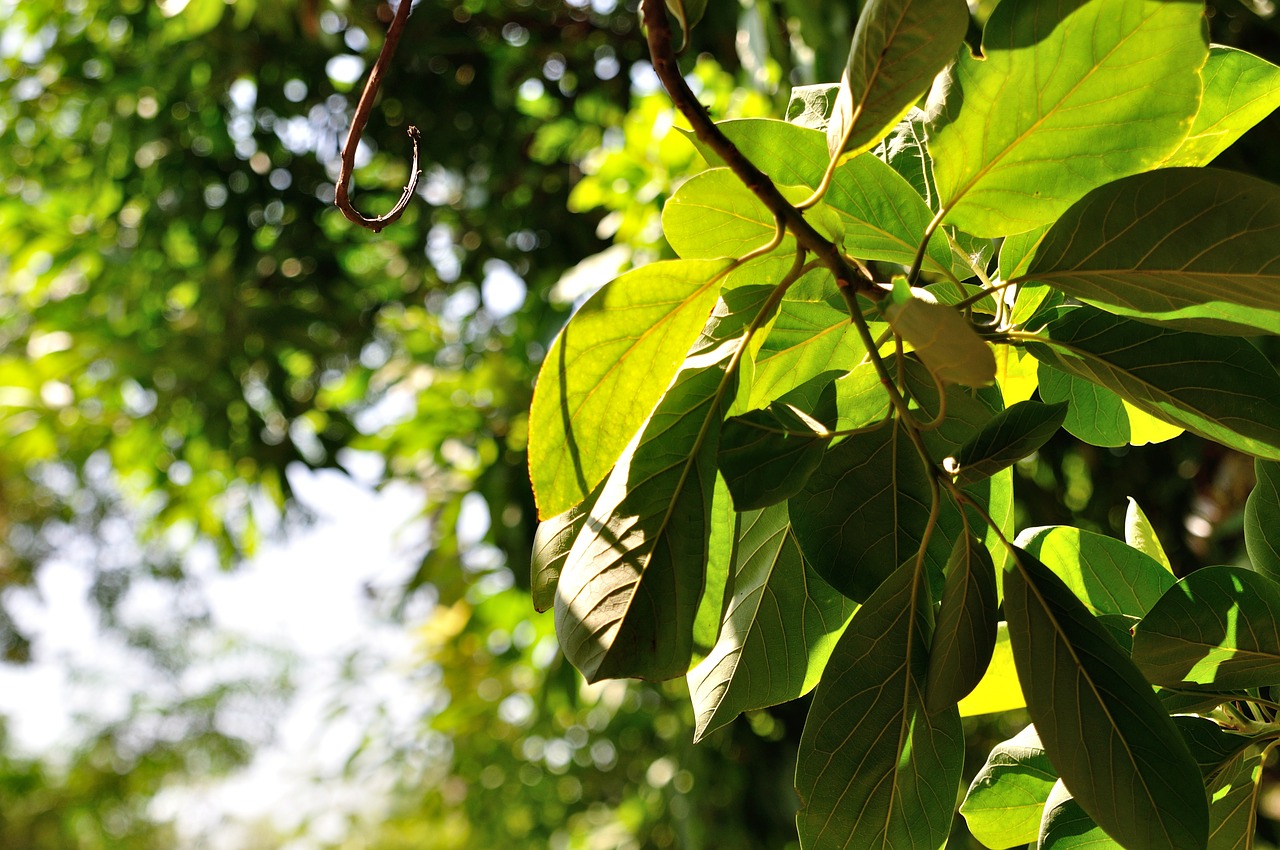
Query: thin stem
[
  {"x": 914, "y": 273},
  {"x": 341, "y": 196},
  {"x": 659, "y": 36}
]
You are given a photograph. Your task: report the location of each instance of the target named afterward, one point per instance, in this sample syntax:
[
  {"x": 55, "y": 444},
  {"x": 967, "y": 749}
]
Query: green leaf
[
  {"x": 810, "y": 335},
  {"x": 1219, "y": 626},
  {"x": 1233, "y": 801},
  {"x": 999, "y": 689},
  {"x": 942, "y": 338},
  {"x": 551, "y": 544},
  {"x": 1139, "y": 534},
  {"x": 781, "y": 625},
  {"x": 1211, "y": 745},
  {"x": 632, "y": 584},
  {"x": 1103, "y": 728},
  {"x": 882, "y": 217},
  {"x": 718, "y": 587},
  {"x": 899, "y": 46},
  {"x": 1262, "y": 519},
  {"x": 687, "y": 14},
  {"x": 1240, "y": 89},
  {"x": 1070, "y": 95},
  {"x": 1106, "y": 575},
  {"x": 1064, "y": 825},
  {"x": 863, "y": 512},
  {"x": 810, "y": 106},
  {"x": 1218, "y": 387},
  {"x": 875, "y": 770},
  {"x": 1017, "y": 251},
  {"x": 606, "y": 372},
  {"x": 1098, "y": 416},
  {"x": 767, "y": 456},
  {"x": 713, "y": 215},
  {"x": 1094, "y": 414},
  {"x": 905, "y": 152},
  {"x": 966, "y": 631},
  {"x": 1003, "y": 804},
  {"x": 1013, "y": 434},
  {"x": 1192, "y": 248}
]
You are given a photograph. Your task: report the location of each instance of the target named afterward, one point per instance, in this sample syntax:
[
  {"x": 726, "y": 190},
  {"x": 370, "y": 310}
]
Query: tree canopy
[{"x": 185, "y": 316}]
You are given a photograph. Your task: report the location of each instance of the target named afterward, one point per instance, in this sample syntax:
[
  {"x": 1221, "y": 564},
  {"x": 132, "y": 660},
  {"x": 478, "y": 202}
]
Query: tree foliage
[{"x": 1051, "y": 199}]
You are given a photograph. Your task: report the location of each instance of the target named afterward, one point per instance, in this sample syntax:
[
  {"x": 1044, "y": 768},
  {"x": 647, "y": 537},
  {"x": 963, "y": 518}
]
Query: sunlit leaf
[
  {"x": 1105, "y": 574},
  {"x": 881, "y": 216},
  {"x": 899, "y": 46},
  {"x": 965, "y": 635},
  {"x": 875, "y": 770},
  {"x": 781, "y": 625},
  {"x": 942, "y": 338},
  {"x": 1070, "y": 96},
  {"x": 631, "y": 586},
  {"x": 810, "y": 106},
  {"x": 606, "y": 372},
  {"x": 1221, "y": 388},
  {"x": 1139, "y": 534},
  {"x": 1193, "y": 248},
  {"x": 1004, "y": 802},
  {"x": 1240, "y": 89},
  {"x": 1219, "y": 626},
  {"x": 999, "y": 689},
  {"x": 1102, "y": 726}
]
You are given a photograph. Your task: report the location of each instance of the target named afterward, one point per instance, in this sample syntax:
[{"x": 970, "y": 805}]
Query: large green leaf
[
  {"x": 1262, "y": 519},
  {"x": 1193, "y": 248},
  {"x": 1010, "y": 436},
  {"x": 1098, "y": 416},
  {"x": 809, "y": 336},
  {"x": 965, "y": 635},
  {"x": 1221, "y": 388},
  {"x": 1107, "y": 575},
  {"x": 881, "y": 217},
  {"x": 999, "y": 689},
  {"x": 875, "y": 770},
  {"x": 899, "y": 46},
  {"x": 781, "y": 625},
  {"x": 1102, "y": 726},
  {"x": 606, "y": 372},
  {"x": 632, "y": 584},
  {"x": 1071, "y": 94},
  {"x": 1065, "y": 825},
  {"x": 1004, "y": 802},
  {"x": 714, "y": 215},
  {"x": 1240, "y": 89},
  {"x": 864, "y": 510},
  {"x": 1219, "y": 626}
]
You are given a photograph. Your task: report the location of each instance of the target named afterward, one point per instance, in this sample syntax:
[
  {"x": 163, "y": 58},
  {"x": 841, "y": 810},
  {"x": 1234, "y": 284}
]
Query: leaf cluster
[{"x": 781, "y": 463}]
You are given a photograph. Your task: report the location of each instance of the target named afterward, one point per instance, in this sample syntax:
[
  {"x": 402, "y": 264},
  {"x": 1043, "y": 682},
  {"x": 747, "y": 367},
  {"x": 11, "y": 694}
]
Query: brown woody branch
[
  {"x": 659, "y": 36},
  {"x": 341, "y": 197}
]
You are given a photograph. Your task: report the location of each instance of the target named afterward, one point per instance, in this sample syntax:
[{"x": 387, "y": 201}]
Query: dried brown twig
[{"x": 342, "y": 198}]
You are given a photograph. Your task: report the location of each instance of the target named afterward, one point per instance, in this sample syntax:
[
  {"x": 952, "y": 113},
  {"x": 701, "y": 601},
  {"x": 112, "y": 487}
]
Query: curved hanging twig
[{"x": 341, "y": 196}]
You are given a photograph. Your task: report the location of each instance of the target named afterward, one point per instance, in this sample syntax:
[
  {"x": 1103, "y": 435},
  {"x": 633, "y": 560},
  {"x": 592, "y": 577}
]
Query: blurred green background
[{"x": 187, "y": 325}]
